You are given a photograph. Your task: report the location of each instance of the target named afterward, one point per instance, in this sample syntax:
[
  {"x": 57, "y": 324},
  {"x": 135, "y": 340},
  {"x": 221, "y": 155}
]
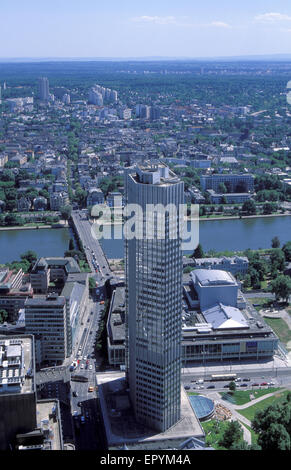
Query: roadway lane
[{"x": 91, "y": 246}]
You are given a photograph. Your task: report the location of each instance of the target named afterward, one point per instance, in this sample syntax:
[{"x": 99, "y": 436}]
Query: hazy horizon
[{"x": 125, "y": 30}]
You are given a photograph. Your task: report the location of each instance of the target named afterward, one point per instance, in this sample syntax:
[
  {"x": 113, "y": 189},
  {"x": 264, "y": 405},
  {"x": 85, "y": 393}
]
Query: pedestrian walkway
[{"x": 234, "y": 409}]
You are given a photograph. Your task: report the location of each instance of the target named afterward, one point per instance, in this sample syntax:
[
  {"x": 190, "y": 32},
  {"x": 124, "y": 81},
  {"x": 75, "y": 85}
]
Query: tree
[
  {"x": 92, "y": 283},
  {"x": 277, "y": 259},
  {"x": 30, "y": 256},
  {"x": 198, "y": 252},
  {"x": 275, "y": 242},
  {"x": 66, "y": 212},
  {"x": 3, "y": 315},
  {"x": 232, "y": 386},
  {"x": 281, "y": 287},
  {"x": 273, "y": 425},
  {"x": 287, "y": 251},
  {"x": 233, "y": 433},
  {"x": 249, "y": 207},
  {"x": 71, "y": 244},
  {"x": 222, "y": 188}
]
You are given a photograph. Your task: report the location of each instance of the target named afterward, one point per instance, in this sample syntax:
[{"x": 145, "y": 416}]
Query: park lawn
[
  {"x": 213, "y": 432},
  {"x": 261, "y": 302},
  {"x": 280, "y": 327},
  {"x": 241, "y": 397},
  {"x": 249, "y": 412}
]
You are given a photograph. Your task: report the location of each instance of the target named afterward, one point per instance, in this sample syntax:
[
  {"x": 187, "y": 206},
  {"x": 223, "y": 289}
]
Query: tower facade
[
  {"x": 43, "y": 85},
  {"x": 154, "y": 297}
]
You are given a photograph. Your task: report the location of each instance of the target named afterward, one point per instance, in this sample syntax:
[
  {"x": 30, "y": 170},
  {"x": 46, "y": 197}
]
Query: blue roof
[{"x": 202, "y": 406}]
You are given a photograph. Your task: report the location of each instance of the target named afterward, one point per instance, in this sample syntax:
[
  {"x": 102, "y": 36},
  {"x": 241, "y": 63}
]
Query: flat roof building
[{"x": 17, "y": 388}]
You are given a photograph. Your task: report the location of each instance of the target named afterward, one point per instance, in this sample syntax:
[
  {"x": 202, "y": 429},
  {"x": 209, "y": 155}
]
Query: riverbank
[
  {"x": 202, "y": 218},
  {"x": 242, "y": 217},
  {"x": 34, "y": 227}
]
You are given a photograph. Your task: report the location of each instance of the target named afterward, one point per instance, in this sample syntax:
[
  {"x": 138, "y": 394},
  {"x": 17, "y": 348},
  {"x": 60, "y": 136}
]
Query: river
[
  {"x": 218, "y": 235},
  {"x": 228, "y": 235},
  {"x": 45, "y": 242}
]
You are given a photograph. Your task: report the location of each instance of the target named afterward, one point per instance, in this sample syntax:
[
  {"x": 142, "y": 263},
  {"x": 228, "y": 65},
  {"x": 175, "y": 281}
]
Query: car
[
  {"x": 243, "y": 385},
  {"x": 226, "y": 386},
  {"x": 85, "y": 357},
  {"x": 187, "y": 387},
  {"x": 263, "y": 384},
  {"x": 246, "y": 379},
  {"x": 271, "y": 383},
  {"x": 90, "y": 367},
  {"x": 75, "y": 394},
  {"x": 238, "y": 379},
  {"x": 79, "y": 403},
  {"x": 193, "y": 381},
  {"x": 87, "y": 362},
  {"x": 211, "y": 386},
  {"x": 83, "y": 419},
  {"x": 255, "y": 384},
  {"x": 82, "y": 366}
]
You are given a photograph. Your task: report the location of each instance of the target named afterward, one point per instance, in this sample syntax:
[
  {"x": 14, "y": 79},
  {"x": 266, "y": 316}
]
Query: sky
[{"x": 139, "y": 28}]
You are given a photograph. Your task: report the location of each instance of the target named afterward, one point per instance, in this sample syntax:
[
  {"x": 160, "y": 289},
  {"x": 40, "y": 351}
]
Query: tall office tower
[
  {"x": 43, "y": 86},
  {"x": 154, "y": 298}
]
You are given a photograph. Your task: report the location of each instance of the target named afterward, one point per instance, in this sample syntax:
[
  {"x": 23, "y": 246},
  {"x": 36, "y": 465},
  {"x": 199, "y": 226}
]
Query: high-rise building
[
  {"x": 154, "y": 298},
  {"x": 45, "y": 317},
  {"x": 43, "y": 86}
]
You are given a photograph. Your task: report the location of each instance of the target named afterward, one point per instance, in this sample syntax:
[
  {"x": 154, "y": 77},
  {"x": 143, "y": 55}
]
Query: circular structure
[{"x": 203, "y": 407}]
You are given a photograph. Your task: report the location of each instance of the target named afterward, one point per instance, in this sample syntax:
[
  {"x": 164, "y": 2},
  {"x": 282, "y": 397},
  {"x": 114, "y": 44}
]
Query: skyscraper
[
  {"x": 154, "y": 298},
  {"x": 43, "y": 86}
]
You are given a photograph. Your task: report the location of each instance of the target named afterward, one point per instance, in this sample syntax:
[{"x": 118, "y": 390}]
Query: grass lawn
[
  {"x": 280, "y": 327},
  {"x": 261, "y": 302},
  {"x": 240, "y": 397},
  {"x": 249, "y": 412},
  {"x": 213, "y": 432}
]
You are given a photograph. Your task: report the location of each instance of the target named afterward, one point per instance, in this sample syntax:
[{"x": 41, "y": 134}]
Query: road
[
  {"x": 94, "y": 253},
  {"x": 84, "y": 404}
]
